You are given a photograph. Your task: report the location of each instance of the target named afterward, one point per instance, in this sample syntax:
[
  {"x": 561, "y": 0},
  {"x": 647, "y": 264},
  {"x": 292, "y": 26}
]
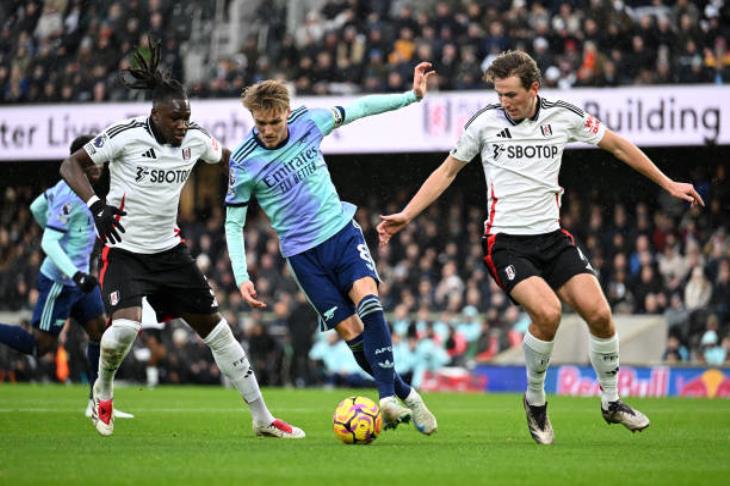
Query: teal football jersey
[
  {"x": 68, "y": 214},
  {"x": 291, "y": 182}
]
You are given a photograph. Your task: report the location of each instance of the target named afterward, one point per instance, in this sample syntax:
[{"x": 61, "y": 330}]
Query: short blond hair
[{"x": 266, "y": 95}]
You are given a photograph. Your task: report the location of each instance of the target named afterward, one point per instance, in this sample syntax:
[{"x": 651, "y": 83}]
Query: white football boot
[
  {"x": 102, "y": 415},
  {"x": 393, "y": 412},
  {"x": 279, "y": 428},
  {"x": 620, "y": 413},
  {"x": 118, "y": 414},
  {"x": 423, "y": 419},
  {"x": 538, "y": 423}
]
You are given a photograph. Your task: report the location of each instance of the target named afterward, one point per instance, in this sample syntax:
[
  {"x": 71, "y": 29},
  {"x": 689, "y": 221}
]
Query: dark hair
[
  {"x": 514, "y": 63},
  {"x": 80, "y": 141},
  {"x": 146, "y": 75}
]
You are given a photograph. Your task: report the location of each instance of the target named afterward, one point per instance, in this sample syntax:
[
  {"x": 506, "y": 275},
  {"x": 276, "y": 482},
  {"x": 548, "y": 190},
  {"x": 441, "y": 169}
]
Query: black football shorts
[
  {"x": 553, "y": 256},
  {"x": 170, "y": 280}
]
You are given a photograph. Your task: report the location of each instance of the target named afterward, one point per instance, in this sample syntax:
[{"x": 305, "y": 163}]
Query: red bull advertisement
[{"x": 655, "y": 381}]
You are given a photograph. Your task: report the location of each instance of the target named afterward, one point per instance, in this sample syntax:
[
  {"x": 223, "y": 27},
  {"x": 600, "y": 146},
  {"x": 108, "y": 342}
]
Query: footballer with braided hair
[{"x": 151, "y": 158}]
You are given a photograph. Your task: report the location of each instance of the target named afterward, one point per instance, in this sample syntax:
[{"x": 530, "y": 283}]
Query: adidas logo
[
  {"x": 386, "y": 364},
  {"x": 150, "y": 154},
  {"x": 504, "y": 134}
]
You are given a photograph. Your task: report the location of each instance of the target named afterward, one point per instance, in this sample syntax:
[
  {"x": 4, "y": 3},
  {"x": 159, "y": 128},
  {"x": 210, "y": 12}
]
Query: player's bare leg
[
  {"x": 543, "y": 307},
  {"x": 233, "y": 363},
  {"x": 116, "y": 342},
  {"x": 583, "y": 293}
]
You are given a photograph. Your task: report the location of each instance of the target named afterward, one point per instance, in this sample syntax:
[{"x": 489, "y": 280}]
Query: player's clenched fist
[
  {"x": 106, "y": 221},
  {"x": 85, "y": 281}
]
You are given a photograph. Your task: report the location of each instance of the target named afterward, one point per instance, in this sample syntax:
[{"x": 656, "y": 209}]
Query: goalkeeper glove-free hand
[
  {"x": 106, "y": 221},
  {"x": 85, "y": 281}
]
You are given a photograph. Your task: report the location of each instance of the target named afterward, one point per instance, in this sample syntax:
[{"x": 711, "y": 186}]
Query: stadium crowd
[
  {"x": 71, "y": 50},
  {"x": 657, "y": 257}
]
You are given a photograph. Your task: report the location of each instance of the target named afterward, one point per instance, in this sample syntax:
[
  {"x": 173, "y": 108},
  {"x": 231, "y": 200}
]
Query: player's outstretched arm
[
  {"x": 631, "y": 155},
  {"x": 434, "y": 186},
  {"x": 235, "y": 220},
  {"x": 376, "y": 104}
]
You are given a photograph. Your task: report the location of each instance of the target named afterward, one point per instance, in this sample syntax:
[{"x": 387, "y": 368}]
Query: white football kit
[
  {"x": 147, "y": 177},
  {"x": 522, "y": 161}
]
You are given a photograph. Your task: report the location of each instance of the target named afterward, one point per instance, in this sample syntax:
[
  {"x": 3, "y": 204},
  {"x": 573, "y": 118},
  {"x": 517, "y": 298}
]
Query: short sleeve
[
  {"x": 103, "y": 147},
  {"x": 240, "y": 186},
  {"x": 586, "y": 128},
  {"x": 213, "y": 150},
  {"x": 468, "y": 146},
  {"x": 327, "y": 119}
]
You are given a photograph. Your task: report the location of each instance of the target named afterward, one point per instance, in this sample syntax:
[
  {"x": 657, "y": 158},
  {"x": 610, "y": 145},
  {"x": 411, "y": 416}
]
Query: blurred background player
[
  {"x": 151, "y": 158},
  {"x": 281, "y": 164},
  {"x": 521, "y": 142},
  {"x": 65, "y": 286}
]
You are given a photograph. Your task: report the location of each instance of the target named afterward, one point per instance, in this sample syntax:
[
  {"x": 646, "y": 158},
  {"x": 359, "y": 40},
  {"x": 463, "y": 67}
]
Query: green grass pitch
[{"x": 197, "y": 435}]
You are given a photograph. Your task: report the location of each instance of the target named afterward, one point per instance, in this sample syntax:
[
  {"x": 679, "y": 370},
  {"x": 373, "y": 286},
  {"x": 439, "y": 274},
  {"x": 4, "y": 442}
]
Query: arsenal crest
[{"x": 186, "y": 153}]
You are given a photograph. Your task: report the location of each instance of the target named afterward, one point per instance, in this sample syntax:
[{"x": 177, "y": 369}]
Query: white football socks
[
  {"x": 231, "y": 359},
  {"x": 537, "y": 359},
  {"x": 604, "y": 357},
  {"x": 115, "y": 343}
]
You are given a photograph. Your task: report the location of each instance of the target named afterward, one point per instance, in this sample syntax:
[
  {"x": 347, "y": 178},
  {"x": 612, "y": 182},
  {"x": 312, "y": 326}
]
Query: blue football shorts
[
  {"x": 326, "y": 273},
  {"x": 57, "y": 302}
]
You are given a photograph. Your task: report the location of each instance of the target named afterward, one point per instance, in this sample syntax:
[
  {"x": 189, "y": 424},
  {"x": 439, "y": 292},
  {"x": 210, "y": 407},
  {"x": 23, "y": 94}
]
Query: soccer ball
[{"x": 357, "y": 420}]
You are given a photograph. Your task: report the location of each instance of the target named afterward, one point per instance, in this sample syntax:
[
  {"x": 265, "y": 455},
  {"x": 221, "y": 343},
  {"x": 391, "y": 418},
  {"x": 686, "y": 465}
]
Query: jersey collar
[
  {"x": 261, "y": 144},
  {"x": 151, "y": 129},
  {"x": 538, "y": 103}
]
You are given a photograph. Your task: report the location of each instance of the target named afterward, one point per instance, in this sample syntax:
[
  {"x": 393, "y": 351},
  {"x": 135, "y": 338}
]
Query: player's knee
[
  {"x": 600, "y": 321},
  {"x": 548, "y": 317},
  {"x": 350, "y": 328}
]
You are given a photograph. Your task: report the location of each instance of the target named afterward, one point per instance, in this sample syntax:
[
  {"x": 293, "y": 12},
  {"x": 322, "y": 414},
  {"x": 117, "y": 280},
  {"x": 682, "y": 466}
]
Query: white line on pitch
[{"x": 150, "y": 410}]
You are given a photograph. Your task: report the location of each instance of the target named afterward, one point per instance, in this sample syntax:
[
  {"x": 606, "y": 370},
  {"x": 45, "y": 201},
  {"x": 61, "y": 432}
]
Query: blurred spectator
[
  {"x": 698, "y": 291},
  {"x": 676, "y": 352},
  {"x": 347, "y": 47}
]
